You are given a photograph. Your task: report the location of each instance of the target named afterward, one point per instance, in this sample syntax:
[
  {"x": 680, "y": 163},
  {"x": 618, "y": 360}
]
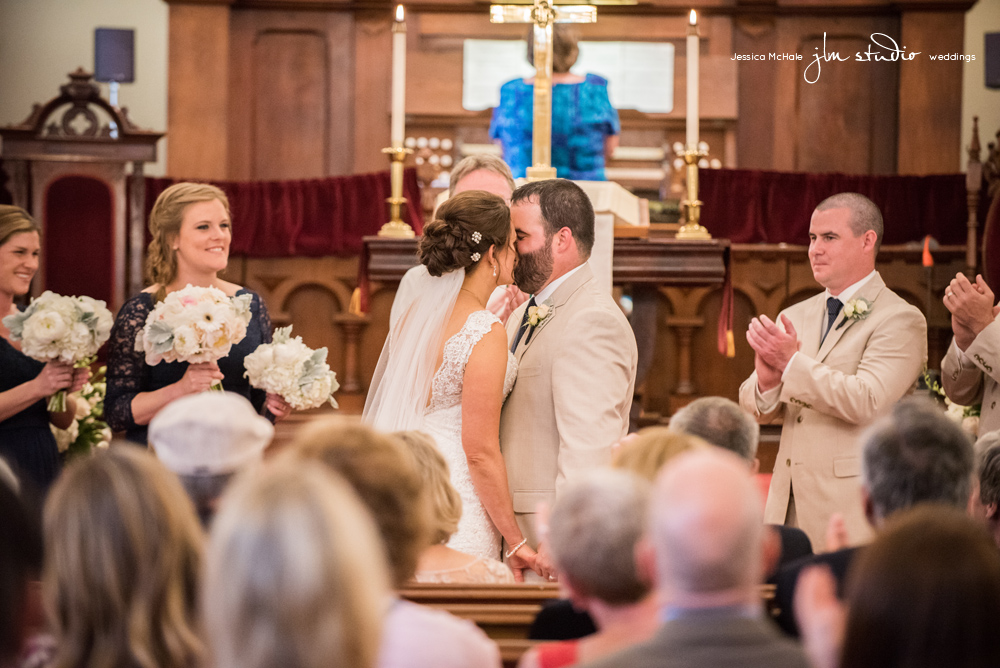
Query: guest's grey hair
[
  {"x": 988, "y": 468},
  {"x": 914, "y": 455},
  {"x": 476, "y": 162},
  {"x": 595, "y": 526},
  {"x": 721, "y": 422},
  {"x": 865, "y": 214}
]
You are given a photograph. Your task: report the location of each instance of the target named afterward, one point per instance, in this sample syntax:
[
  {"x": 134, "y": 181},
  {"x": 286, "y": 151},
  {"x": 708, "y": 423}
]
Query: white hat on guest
[{"x": 211, "y": 433}]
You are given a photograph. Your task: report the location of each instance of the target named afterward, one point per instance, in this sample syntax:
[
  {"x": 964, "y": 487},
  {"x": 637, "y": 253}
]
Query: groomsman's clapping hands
[
  {"x": 971, "y": 306},
  {"x": 773, "y": 345}
]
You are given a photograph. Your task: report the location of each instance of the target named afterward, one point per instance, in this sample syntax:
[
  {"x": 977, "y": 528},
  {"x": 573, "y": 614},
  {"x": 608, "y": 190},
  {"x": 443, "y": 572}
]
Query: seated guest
[
  {"x": 384, "y": 475},
  {"x": 723, "y": 423},
  {"x": 122, "y": 564},
  {"x": 205, "y": 439},
  {"x": 646, "y": 452},
  {"x": 295, "y": 574},
  {"x": 20, "y": 568},
  {"x": 594, "y": 528},
  {"x": 440, "y": 563},
  {"x": 642, "y": 454},
  {"x": 913, "y": 455},
  {"x": 986, "y": 495},
  {"x": 704, "y": 548},
  {"x": 924, "y": 594}
]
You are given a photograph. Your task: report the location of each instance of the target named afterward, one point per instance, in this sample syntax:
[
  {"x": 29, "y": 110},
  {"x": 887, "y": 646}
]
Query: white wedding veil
[{"x": 400, "y": 388}]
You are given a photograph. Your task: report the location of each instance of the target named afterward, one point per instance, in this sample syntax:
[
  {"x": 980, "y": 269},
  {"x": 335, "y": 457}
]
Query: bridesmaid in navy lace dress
[
  {"x": 26, "y": 441},
  {"x": 191, "y": 229}
]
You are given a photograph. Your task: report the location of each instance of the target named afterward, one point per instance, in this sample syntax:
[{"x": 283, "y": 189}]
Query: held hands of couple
[
  {"x": 773, "y": 345},
  {"x": 971, "y": 306}
]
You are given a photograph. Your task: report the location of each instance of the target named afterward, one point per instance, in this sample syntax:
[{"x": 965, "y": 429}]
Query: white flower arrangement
[
  {"x": 88, "y": 429},
  {"x": 56, "y": 327},
  {"x": 289, "y": 368},
  {"x": 194, "y": 325},
  {"x": 856, "y": 309},
  {"x": 538, "y": 314}
]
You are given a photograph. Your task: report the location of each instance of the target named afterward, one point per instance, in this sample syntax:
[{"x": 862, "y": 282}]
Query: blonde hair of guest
[
  {"x": 384, "y": 475},
  {"x": 123, "y": 550},
  {"x": 651, "y": 448},
  {"x": 165, "y": 224},
  {"x": 295, "y": 573},
  {"x": 445, "y": 503}
]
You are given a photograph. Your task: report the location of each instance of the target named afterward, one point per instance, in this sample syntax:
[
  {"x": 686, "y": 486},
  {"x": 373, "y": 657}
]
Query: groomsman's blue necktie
[
  {"x": 833, "y": 306},
  {"x": 524, "y": 325}
]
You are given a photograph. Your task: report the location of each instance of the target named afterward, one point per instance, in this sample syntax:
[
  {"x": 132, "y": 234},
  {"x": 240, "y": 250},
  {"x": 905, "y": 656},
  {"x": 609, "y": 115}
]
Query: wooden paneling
[
  {"x": 198, "y": 91},
  {"x": 290, "y": 124},
  {"x": 373, "y": 82},
  {"x": 291, "y": 112},
  {"x": 930, "y": 92}
]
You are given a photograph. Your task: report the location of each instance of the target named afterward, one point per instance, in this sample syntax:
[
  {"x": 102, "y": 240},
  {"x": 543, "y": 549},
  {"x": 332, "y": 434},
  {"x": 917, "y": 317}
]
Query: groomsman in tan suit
[
  {"x": 829, "y": 367},
  {"x": 971, "y": 370},
  {"x": 575, "y": 350}
]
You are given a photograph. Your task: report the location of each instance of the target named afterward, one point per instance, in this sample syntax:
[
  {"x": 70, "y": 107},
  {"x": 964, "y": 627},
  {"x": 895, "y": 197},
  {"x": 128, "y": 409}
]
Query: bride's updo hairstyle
[
  {"x": 165, "y": 224},
  {"x": 464, "y": 228}
]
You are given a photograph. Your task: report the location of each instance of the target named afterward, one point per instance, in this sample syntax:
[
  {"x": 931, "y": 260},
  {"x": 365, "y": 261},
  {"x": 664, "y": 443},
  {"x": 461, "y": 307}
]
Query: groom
[{"x": 575, "y": 350}]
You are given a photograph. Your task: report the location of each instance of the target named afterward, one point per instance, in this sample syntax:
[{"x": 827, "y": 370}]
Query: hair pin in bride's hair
[
  {"x": 476, "y": 238},
  {"x": 476, "y": 256}
]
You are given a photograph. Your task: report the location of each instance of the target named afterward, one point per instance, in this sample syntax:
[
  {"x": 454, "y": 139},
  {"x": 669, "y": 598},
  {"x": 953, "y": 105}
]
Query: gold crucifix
[{"x": 543, "y": 15}]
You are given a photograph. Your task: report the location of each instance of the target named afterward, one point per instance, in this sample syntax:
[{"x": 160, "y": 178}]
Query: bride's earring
[{"x": 494, "y": 271}]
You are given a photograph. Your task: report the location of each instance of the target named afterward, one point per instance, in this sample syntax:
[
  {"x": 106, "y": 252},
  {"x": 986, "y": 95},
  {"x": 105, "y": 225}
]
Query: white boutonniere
[
  {"x": 538, "y": 315},
  {"x": 856, "y": 309}
]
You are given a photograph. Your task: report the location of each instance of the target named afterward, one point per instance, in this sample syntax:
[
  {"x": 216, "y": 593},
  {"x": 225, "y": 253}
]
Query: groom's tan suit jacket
[
  {"x": 571, "y": 400},
  {"x": 829, "y": 394}
]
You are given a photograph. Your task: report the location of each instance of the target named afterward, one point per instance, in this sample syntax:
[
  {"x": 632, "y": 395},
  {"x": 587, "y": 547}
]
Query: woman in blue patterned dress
[
  {"x": 585, "y": 126},
  {"x": 191, "y": 229},
  {"x": 26, "y": 441}
]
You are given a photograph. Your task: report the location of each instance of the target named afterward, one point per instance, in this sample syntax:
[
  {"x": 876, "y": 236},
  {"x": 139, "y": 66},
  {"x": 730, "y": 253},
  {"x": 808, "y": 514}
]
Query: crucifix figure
[{"x": 543, "y": 15}]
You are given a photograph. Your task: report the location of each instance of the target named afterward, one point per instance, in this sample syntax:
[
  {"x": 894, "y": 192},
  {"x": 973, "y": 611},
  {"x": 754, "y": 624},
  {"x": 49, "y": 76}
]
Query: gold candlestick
[
  {"x": 692, "y": 229},
  {"x": 396, "y": 227}
]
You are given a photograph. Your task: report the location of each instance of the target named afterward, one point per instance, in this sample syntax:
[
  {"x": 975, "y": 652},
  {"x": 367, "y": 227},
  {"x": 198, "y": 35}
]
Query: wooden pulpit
[{"x": 69, "y": 167}]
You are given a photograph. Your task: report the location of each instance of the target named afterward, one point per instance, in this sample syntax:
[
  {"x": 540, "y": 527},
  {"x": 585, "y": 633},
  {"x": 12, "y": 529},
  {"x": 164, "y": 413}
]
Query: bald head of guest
[
  {"x": 482, "y": 172},
  {"x": 705, "y": 532}
]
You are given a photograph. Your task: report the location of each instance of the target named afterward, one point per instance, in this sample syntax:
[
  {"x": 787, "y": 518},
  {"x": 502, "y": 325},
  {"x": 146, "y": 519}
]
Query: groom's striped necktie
[{"x": 524, "y": 325}]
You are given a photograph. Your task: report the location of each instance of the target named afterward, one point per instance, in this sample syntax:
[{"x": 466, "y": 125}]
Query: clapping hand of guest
[
  {"x": 278, "y": 407},
  {"x": 820, "y": 615},
  {"x": 767, "y": 376},
  {"x": 836, "y": 533},
  {"x": 972, "y": 307}
]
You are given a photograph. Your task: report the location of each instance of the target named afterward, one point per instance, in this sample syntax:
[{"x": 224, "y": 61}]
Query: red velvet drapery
[
  {"x": 750, "y": 206},
  {"x": 310, "y": 218}
]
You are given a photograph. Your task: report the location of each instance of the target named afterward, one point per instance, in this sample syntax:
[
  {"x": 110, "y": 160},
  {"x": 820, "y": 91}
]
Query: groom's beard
[{"x": 533, "y": 269}]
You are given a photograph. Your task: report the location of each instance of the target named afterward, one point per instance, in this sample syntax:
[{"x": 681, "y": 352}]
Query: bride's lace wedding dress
[{"x": 476, "y": 534}]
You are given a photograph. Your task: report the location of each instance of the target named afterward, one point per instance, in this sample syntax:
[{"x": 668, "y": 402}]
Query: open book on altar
[{"x": 614, "y": 206}]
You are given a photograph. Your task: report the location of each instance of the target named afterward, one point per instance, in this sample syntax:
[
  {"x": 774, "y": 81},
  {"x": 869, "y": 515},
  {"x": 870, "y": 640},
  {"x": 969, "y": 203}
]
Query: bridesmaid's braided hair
[
  {"x": 165, "y": 224},
  {"x": 465, "y": 227}
]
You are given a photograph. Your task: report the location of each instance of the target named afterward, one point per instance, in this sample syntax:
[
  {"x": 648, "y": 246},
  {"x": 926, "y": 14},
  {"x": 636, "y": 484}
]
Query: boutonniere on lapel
[
  {"x": 856, "y": 309},
  {"x": 539, "y": 315}
]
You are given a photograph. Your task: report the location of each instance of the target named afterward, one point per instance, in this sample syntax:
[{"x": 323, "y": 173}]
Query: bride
[{"x": 445, "y": 368}]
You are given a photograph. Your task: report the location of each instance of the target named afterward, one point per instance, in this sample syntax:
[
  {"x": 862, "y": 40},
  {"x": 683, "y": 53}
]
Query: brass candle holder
[
  {"x": 692, "y": 229},
  {"x": 396, "y": 227}
]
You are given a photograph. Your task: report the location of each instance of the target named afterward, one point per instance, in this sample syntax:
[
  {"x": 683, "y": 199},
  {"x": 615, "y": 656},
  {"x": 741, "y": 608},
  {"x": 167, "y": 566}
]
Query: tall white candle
[
  {"x": 398, "y": 78},
  {"x": 692, "y": 81}
]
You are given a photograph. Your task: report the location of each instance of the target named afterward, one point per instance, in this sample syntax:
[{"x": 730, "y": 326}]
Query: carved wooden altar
[{"x": 68, "y": 163}]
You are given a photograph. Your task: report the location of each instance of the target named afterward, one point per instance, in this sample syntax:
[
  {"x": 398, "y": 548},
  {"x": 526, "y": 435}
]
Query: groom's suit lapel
[{"x": 559, "y": 298}]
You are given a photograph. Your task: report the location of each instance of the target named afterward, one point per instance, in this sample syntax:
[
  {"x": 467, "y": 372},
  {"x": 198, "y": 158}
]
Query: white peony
[{"x": 289, "y": 368}]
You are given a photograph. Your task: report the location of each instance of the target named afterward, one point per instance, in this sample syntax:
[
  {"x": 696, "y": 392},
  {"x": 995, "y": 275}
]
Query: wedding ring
[{"x": 949, "y": 294}]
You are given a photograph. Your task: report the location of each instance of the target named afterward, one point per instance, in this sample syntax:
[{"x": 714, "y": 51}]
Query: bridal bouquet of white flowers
[
  {"x": 194, "y": 325},
  {"x": 289, "y": 368},
  {"x": 88, "y": 429},
  {"x": 68, "y": 329}
]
